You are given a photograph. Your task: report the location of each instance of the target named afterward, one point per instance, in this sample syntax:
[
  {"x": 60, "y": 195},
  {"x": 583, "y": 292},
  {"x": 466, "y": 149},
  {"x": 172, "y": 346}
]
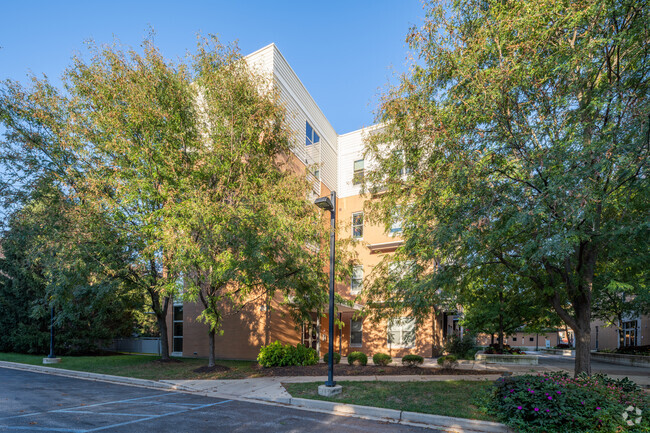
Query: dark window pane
[
  {"x": 178, "y": 329},
  {"x": 178, "y": 312},
  {"x": 178, "y": 345},
  {"x": 309, "y": 134}
]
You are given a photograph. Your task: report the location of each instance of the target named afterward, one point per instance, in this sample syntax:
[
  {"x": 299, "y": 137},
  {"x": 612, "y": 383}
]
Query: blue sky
[{"x": 345, "y": 52}]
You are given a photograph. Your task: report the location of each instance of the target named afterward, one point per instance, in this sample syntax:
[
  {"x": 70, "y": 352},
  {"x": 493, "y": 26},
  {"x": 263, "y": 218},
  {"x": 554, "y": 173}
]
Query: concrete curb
[
  {"x": 144, "y": 383},
  {"x": 447, "y": 423}
]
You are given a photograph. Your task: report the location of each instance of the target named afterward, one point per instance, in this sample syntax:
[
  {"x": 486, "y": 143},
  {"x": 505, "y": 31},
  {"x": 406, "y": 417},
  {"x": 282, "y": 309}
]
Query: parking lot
[{"x": 45, "y": 403}]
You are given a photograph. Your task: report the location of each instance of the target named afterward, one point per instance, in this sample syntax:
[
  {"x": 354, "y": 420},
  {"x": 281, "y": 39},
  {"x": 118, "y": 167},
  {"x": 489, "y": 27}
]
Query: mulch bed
[
  {"x": 368, "y": 370},
  {"x": 216, "y": 368}
]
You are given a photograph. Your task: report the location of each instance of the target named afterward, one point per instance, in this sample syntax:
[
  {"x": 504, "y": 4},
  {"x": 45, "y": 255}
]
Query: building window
[
  {"x": 357, "y": 176},
  {"x": 177, "y": 329},
  {"x": 398, "y": 222},
  {"x": 531, "y": 339},
  {"x": 629, "y": 333},
  {"x": 356, "y": 333},
  {"x": 310, "y": 135},
  {"x": 514, "y": 338},
  {"x": 401, "y": 332},
  {"x": 357, "y": 280},
  {"x": 357, "y": 225}
]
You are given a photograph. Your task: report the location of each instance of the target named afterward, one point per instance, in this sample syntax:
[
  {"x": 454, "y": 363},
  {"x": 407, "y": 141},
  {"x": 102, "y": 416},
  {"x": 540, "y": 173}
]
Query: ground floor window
[
  {"x": 356, "y": 333},
  {"x": 629, "y": 333},
  {"x": 401, "y": 332},
  {"x": 177, "y": 329}
]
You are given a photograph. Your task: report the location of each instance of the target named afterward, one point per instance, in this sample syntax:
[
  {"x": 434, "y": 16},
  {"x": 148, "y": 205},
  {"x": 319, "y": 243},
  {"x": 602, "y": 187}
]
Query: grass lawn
[
  {"x": 140, "y": 366},
  {"x": 450, "y": 398}
]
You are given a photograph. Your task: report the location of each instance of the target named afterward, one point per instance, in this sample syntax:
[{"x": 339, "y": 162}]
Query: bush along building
[{"x": 339, "y": 166}]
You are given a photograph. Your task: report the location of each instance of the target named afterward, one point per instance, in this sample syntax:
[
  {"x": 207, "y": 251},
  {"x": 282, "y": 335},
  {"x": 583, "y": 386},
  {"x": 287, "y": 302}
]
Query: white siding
[
  {"x": 301, "y": 108},
  {"x": 350, "y": 149}
]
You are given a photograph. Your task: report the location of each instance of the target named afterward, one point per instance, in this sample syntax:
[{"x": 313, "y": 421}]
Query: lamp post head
[{"x": 324, "y": 203}]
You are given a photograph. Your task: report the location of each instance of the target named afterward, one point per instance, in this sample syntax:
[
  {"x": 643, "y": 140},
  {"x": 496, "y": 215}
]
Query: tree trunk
[
  {"x": 501, "y": 321},
  {"x": 161, "y": 319},
  {"x": 164, "y": 337},
  {"x": 211, "y": 357},
  {"x": 583, "y": 339},
  {"x": 491, "y": 339}
]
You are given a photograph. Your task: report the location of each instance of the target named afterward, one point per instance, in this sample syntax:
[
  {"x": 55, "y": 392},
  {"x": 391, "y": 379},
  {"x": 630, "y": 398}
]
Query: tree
[
  {"x": 240, "y": 227},
  {"x": 519, "y": 139},
  {"x": 115, "y": 140},
  {"x": 51, "y": 259},
  {"x": 495, "y": 304}
]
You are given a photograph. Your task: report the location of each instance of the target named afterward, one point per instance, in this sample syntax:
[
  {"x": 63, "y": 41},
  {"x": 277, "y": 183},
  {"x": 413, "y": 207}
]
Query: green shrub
[
  {"x": 461, "y": 348},
  {"x": 381, "y": 359},
  {"x": 412, "y": 360},
  {"x": 337, "y": 358},
  {"x": 448, "y": 362},
  {"x": 278, "y": 355},
  {"x": 555, "y": 402},
  {"x": 357, "y": 357}
]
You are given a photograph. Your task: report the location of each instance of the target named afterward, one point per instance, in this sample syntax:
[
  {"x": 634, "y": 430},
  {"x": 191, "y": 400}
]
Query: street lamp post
[
  {"x": 330, "y": 387},
  {"x": 51, "y": 359},
  {"x": 51, "y": 355}
]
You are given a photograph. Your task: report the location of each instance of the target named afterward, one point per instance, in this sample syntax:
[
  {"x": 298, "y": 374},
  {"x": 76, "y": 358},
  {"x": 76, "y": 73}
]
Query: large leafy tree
[
  {"x": 241, "y": 226},
  {"x": 189, "y": 165},
  {"x": 519, "y": 139},
  {"x": 55, "y": 256},
  {"x": 115, "y": 140}
]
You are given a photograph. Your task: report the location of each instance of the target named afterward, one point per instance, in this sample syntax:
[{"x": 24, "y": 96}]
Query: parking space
[
  {"x": 45, "y": 403},
  {"x": 107, "y": 415}
]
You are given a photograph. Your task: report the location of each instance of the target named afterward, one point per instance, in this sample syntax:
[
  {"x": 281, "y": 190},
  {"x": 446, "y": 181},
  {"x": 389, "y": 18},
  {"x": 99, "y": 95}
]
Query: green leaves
[{"x": 525, "y": 126}]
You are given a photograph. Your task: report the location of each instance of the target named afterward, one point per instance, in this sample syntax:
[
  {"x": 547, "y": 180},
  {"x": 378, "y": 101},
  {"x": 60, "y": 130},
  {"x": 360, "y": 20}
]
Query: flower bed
[{"x": 557, "y": 403}]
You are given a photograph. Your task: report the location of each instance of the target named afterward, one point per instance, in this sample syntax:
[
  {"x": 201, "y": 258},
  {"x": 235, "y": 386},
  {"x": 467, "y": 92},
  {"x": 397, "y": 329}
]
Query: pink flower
[
  {"x": 597, "y": 408},
  {"x": 518, "y": 407},
  {"x": 536, "y": 409},
  {"x": 550, "y": 398}
]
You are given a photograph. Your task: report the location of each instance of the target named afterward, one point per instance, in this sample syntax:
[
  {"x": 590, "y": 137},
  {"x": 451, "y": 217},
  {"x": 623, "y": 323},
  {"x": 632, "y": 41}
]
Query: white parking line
[{"x": 156, "y": 416}]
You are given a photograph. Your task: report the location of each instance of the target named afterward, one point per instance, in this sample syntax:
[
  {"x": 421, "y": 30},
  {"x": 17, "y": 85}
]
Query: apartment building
[{"x": 340, "y": 163}]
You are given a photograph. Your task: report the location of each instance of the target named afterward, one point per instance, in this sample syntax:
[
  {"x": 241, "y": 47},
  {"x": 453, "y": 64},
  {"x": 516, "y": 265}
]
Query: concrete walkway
[{"x": 271, "y": 389}]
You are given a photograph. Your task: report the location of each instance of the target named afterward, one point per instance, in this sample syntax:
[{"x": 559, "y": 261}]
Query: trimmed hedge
[
  {"x": 412, "y": 360},
  {"x": 278, "y": 355},
  {"x": 359, "y": 357},
  {"x": 449, "y": 361},
  {"x": 337, "y": 358},
  {"x": 381, "y": 359}
]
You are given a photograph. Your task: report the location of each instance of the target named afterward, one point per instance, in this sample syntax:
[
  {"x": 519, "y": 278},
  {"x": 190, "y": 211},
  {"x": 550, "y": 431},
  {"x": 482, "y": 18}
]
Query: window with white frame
[
  {"x": 356, "y": 333},
  {"x": 356, "y": 283},
  {"x": 630, "y": 330},
  {"x": 398, "y": 270},
  {"x": 401, "y": 332},
  {"x": 398, "y": 222},
  {"x": 311, "y": 137},
  {"x": 401, "y": 162},
  {"x": 358, "y": 173},
  {"x": 357, "y": 225}
]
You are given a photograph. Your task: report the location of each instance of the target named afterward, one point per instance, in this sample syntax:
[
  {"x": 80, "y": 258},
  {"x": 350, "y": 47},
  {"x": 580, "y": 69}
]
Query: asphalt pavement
[{"x": 45, "y": 403}]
